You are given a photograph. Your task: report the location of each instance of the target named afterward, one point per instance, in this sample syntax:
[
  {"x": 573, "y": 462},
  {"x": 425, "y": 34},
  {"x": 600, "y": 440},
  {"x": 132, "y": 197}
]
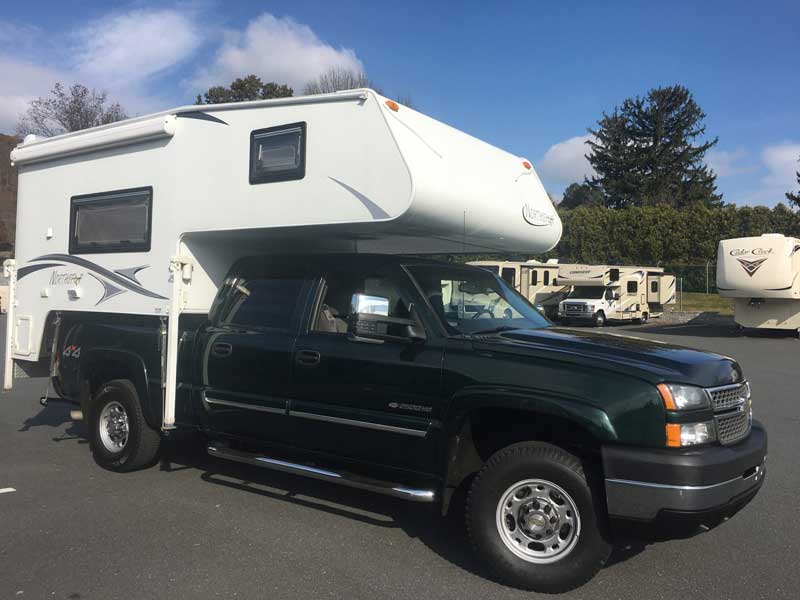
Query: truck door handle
[
  {"x": 307, "y": 358},
  {"x": 221, "y": 349}
]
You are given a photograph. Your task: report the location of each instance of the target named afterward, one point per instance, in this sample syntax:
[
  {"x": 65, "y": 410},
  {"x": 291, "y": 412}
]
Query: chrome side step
[{"x": 347, "y": 479}]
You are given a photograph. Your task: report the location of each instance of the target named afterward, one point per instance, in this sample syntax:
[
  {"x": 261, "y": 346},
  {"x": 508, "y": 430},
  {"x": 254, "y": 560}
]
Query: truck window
[
  {"x": 117, "y": 221},
  {"x": 509, "y": 276},
  {"x": 633, "y": 287},
  {"x": 264, "y": 302},
  {"x": 278, "y": 153},
  {"x": 334, "y": 310}
]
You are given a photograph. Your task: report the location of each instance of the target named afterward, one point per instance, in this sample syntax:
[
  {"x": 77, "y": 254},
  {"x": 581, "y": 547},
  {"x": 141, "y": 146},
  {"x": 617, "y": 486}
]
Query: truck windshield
[
  {"x": 587, "y": 292},
  {"x": 469, "y": 301}
]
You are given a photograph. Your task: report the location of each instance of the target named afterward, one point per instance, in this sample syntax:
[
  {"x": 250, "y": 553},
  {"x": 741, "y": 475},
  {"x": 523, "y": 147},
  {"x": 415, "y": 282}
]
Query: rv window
[
  {"x": 547, "y": 277},
  {"x": 654, "y": 287},
  {"x": 264, "y": 303},
  {"x": 535, "y": 277},
  {"x": 278, "y": 153},
  {"x": 508, "y": 276},
  {"x": 111, "y": 222},
  {"x": 633, "y": 287}
]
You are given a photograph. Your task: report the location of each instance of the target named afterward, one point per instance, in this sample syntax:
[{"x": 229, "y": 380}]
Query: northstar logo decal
[{"x": 751, "y": 266}]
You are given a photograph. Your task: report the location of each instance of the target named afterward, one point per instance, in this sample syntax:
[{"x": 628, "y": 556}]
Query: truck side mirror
[{"x": 370, "y": 322}]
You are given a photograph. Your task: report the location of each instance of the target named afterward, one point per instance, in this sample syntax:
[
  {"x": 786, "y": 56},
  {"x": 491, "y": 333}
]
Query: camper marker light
[
  {"x": 680, "y": 435},
  {"x": 683, "y": 397},
  {"x": 393, "y": 105},
  {"x": 527, "y": 165}
]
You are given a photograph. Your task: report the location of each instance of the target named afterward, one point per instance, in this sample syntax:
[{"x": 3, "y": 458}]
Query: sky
[{"x": 529, "y": 77}]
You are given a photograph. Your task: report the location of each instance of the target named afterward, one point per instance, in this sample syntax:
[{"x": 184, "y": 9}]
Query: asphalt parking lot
[{"x": 196, "y": 527}]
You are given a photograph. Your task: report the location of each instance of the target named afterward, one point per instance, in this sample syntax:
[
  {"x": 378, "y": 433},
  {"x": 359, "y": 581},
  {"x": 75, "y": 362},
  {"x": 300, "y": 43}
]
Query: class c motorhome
[
  {"x": 762, "y": 277},
  {"x": 603, "y": 293},
  {"x": 536, "y": 280},
  {"x": 146, "y": 216}
]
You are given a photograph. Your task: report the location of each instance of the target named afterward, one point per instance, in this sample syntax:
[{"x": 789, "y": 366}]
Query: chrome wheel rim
[
  {"x": 538, "y": 521},
  {"x": 114, "y": 427}
]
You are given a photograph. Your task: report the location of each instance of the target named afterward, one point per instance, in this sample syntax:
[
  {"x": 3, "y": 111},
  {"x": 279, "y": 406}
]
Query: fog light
[{"x": 690, "y": 434}]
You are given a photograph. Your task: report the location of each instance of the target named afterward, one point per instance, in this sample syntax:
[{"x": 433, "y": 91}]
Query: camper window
[
  {"x": 278, "y": 153},
  {"x": 633, "y": 287},
  {"x": 547, "y": 277},
  {"x": 509, "y": 276},
  {"x": 654, "y": 287},
  {"x": 535, "y": 277},
  {"x": 116, "y": 221}
]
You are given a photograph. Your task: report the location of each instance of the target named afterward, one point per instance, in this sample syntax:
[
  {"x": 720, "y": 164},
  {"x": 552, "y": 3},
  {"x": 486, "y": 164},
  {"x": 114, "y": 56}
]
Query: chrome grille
[
  {"x": 575, "y": 308},
  {"x": 733, "y": 426},
  {"x": 728, "y": 396},
  {"x": 732, "y": 411}
]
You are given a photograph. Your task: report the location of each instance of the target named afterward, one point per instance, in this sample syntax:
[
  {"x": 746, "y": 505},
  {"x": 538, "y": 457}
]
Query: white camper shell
[
  {"x": 762, "y": 277},
  {"x": 603, "y": 293},
  {"x": 536, "y": 280},
  {"x": 147, "y": 215}
]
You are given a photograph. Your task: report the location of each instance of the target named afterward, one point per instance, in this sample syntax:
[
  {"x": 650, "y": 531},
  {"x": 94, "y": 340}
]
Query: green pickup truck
[{"x": 415, "y": 378}]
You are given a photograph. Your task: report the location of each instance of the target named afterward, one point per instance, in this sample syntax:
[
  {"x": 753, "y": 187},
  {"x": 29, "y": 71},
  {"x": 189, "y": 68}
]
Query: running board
[{"x": 347, "y": 479}]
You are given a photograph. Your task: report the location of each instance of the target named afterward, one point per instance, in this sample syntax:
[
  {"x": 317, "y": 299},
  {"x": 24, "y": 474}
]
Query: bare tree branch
[{"x": 337, "y": 79}]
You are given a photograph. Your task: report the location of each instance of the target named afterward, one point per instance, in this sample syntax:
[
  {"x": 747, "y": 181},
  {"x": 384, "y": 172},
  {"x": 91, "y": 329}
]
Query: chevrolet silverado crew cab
[{"x": 414, "y": 378}]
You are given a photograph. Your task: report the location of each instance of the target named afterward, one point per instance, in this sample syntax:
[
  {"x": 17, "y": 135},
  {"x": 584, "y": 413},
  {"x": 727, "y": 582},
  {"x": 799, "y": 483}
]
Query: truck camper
[
  {"x": 761, "y": 275},
  {"x": 242, "y": 270},
  {"x": 601, "y": 293}
]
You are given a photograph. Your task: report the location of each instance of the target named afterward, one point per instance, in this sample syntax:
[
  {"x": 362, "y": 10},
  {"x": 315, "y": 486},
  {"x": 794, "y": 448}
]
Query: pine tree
[
  {"x": 244, "y": 89},
  {"x": 794, "y": 198},
  {"x": 650, "y": 151}
]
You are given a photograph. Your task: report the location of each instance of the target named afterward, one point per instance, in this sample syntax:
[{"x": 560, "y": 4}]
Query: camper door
[{"x": 653, "y": 289}]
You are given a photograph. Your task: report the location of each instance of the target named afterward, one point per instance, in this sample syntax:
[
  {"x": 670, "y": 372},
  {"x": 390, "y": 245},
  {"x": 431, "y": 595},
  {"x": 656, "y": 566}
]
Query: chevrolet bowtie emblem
[{"x": 751, "y": 266}]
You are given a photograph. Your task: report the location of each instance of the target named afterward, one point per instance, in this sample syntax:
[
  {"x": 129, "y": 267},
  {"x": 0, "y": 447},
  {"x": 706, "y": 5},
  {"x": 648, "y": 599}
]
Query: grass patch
[{"x": 697, "y": 302}]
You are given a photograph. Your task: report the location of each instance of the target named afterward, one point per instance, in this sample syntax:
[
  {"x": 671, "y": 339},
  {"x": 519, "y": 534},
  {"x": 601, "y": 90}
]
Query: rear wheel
[
  {"x": 532, "y": 518},
  {"x": 120, "y": 438},
  {"x": 599, "y": 319}
]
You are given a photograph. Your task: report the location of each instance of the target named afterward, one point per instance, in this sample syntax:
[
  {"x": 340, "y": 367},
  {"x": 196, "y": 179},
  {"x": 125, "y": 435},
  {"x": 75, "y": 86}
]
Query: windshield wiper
[{"x": 495, "y": 330}]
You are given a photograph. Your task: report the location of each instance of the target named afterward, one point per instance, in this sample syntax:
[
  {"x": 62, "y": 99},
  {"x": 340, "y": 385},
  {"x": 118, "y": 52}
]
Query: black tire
[
  {"x": 539, "y": 461},
  {"x": 599, "y": 319},
  {"x": 142, "y": 443},
  {"x": 645, "y": 317}
]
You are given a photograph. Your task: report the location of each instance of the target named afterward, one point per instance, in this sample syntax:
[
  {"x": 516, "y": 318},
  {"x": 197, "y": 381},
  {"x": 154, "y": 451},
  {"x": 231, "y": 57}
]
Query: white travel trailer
[
  {"x": 537, "y": 281},
  {"x": 146, "y": 216},
  {"x": 603, "y": 293},
  {"x": 762, "y": 277}
]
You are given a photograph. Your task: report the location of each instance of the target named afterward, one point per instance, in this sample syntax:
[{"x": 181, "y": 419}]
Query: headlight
[
  {"x": 539, "y": 307},
  {"x": 683, "y": 397},
  {"x": 690, "y": 434}
]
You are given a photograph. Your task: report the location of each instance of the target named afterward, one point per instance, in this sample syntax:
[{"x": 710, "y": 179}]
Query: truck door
[
  {"x": 369, "y": 400},
  {"x": 245, "y": 355}
]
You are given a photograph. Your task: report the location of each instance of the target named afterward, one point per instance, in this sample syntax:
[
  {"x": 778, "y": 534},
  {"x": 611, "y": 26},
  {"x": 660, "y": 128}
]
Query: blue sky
[{"x": 529, "y": 77}]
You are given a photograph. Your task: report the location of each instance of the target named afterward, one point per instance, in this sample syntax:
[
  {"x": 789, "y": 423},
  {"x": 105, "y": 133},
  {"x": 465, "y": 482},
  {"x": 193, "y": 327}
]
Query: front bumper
[{"x": 699, "y": 486}]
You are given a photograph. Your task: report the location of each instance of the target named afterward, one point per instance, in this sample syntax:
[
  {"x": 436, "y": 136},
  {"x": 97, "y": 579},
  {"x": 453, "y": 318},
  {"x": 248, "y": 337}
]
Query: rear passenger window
[{"x": 264, "y": 303}]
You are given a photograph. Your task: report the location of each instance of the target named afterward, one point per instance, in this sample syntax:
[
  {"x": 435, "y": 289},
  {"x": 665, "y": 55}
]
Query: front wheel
[
  {"x": 531, "y": 517},
  {"x": 599, "y": 319},
  {"x": 120, "y": 438}
]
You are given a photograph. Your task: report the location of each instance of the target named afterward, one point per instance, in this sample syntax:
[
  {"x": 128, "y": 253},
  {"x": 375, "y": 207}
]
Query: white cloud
[
  {"x": 728, "y": 162},
  {"x": 22, "y": 81},
  {"x": 275, "y": 49},
  {"x": 781, "y": 162},
  {"x": 126, "y": 49},
  {"x": 565, "y": 162}
]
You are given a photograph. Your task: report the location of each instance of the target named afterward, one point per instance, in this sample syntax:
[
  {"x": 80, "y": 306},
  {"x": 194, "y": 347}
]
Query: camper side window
[
  {"x": 633, "y": 287},
  {"x": 654, "y": 287},
  {"x": 278, "y": 153},
  {"x": 116, "y": 221}
]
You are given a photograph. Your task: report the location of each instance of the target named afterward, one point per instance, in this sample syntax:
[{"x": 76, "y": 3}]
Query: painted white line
[{"x": 7, "y": 490}]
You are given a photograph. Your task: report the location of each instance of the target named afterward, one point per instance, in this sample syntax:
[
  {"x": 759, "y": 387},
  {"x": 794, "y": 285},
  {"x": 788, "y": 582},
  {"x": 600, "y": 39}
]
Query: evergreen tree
[
  {"x": 794, "y": 198},
  {"x": 581, "y": 194},
  {"x": 244, "y": 89},
  {"x": 650, "y": 151}
]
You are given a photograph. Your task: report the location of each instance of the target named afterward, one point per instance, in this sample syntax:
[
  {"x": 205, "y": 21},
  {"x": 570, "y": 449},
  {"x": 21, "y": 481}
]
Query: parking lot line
[{"x": 7, "y": 490}]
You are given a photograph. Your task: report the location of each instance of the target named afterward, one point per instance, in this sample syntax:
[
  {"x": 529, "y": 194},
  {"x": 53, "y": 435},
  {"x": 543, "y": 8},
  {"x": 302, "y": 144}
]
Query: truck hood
[{"x": 647, "y": 359}]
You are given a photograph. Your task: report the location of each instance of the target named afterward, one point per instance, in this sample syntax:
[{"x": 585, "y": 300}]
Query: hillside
[{"x": 8, "y": 195}]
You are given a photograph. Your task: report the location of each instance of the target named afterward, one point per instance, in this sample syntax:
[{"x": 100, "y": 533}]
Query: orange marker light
[
  {"x": 393, "y": 105},
  {"x": 527, "y": 165},
  {"x": 666, "y": 396},
  {"x": 673, "y": 435}
]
